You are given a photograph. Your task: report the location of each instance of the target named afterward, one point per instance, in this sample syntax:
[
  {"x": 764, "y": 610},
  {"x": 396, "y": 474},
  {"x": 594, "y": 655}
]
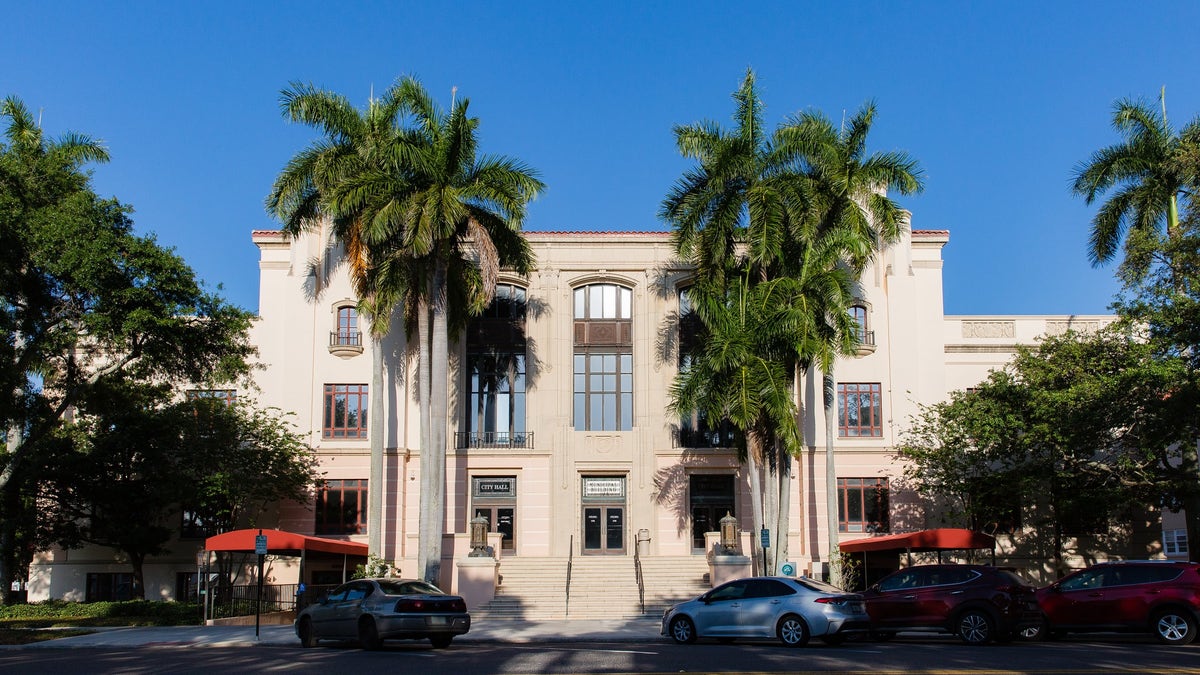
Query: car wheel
[
  {"x": 683, "y": 630},
  {"x": 1174, "y": 627},
  {"x": 1034, "y": 633},
  {"x": 368, "y": 634},
  {"x": 976, "y": 627},
  {"x": 440, "y": 641},
  {"x": 307, "y": 639},
  {"x": 792, "y": 631},
  {"x": 834, "y": 640}
]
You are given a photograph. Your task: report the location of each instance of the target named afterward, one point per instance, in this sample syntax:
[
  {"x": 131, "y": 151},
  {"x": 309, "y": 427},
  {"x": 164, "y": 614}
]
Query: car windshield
[
  {"x": 409, "y": 588},
  {"x": 818, "y": 586}
]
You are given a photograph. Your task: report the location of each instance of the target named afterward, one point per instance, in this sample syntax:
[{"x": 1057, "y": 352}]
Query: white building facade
[{"x": 559, "y": 433}]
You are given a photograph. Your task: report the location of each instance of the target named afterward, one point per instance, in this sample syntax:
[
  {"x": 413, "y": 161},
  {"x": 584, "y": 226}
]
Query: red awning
[
  {"x": 943, "y": 539},
  {"x": 280, "y": 542}
]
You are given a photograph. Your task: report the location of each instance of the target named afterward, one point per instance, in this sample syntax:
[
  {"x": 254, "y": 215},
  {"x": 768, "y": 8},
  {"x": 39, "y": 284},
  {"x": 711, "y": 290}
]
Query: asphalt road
[{"x": 927, "y": 656}]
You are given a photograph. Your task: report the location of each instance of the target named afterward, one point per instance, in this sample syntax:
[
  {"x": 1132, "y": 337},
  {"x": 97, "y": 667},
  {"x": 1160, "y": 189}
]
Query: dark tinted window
[
  {"x": 1139, "y": 574},
  {"x": 734, "y": 590},
  {"x": 768, "y": 588},
  {"x": 903, "y": 579},
  {"x": 942, "y": 576},
  {"x": 1011, "y": 578}
]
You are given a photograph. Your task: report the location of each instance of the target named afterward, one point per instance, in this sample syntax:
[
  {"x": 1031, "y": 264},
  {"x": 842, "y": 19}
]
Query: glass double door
[{"x": 604, "y": 529}]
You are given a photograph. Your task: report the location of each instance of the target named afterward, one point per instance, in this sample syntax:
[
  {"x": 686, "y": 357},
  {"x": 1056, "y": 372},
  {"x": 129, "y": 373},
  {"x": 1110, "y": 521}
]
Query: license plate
[{"x": 436, "y": 621}]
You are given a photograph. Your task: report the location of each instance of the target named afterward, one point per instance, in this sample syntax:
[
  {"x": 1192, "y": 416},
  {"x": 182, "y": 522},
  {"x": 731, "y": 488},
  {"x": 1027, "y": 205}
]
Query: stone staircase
[{"x": 602, "y": 587}]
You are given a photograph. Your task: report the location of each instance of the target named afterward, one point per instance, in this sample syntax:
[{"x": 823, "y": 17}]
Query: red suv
[
  {"x": 978, "y": 603},
  {"x": 1156, "y": 596}
]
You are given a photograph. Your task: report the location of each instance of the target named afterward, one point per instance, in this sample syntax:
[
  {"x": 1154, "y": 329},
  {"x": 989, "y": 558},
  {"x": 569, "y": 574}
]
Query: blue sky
[{"x": 997, "y": 100}]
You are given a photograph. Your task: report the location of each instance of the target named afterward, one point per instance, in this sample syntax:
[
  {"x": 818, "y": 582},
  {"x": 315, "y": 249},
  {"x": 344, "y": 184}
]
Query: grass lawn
[{"x": 25, "y": 636}]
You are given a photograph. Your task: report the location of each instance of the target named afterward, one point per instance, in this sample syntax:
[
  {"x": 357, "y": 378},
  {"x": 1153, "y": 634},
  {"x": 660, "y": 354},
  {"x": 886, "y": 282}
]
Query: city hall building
[{"x": 558, "y": 428}]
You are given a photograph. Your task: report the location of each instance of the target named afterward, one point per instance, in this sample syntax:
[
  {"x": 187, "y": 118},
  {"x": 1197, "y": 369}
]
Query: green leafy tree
[
  {"x": 1080, "y": 426},
  {"x": 82, "y": 299},
  {"x": 132, "y": 460}
]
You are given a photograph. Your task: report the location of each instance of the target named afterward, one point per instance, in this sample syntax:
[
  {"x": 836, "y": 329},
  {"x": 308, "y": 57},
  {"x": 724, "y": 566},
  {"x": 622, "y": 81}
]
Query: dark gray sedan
[
  {"x": 374, "y": 610},
  {"x": 792, "y": 610}
]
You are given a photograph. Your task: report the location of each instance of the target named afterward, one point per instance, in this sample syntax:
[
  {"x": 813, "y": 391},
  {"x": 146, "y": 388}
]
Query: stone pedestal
[
  {"x": 477, "y": 580},
  {"x": 722, "y": 568}
]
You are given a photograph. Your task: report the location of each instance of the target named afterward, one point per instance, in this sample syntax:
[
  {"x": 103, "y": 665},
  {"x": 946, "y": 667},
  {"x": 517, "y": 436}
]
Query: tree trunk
[
  {"x": 375, "y": 483},
  {"x": 829, "y": 394},
  {"x": 426, "y": 527},
  {"x": 771, "y": 508},
  {"x": 756, "y": 500},
  {"x": 138, "y": 592},
  {"x": 785, "y": 506},
  {"x": 439, "y": 396}
]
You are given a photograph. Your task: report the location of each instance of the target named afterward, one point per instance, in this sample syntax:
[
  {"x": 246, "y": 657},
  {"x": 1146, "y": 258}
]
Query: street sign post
[{"x": 260, "y": 549}]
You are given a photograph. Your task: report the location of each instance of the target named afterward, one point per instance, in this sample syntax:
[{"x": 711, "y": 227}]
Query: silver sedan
[
  {"x": 792, "y": 610},
  {"x": 374, "y": 610}
]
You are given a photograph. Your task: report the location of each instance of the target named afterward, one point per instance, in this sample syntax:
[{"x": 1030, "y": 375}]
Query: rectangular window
[
  {"x": 496, "y": 413},
  {"x": 345, "y": 411},
  {"x": 863, "y": 505},
  {"x": 109, "y": 587},
  {"x": 347, "y": 327},
  {"x": 860, "y": 409},
  {"x": 1175, "y": 542},
  {"x": 195, "y": 527},
  {"x": 603, "y": 391},
  {"x": 341, "y": 507}
]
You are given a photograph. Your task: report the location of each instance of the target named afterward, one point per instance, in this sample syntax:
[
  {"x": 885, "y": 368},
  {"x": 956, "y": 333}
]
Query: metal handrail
[
  {"x": 570, "y": 562},
  {"x": 637, "y": 570}
]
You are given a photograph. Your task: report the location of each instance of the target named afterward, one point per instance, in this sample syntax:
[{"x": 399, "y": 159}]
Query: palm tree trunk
[
  {"x": 438, "y": 396},
  {"x": 756, "y": 500},
  {"x": 375, "y": 424},
  {"x": 783, "y": 523},
  {"x": 771, "y": 508},
  {"x": 828, "y": 391},
  {"x": 425, "y": 527}
]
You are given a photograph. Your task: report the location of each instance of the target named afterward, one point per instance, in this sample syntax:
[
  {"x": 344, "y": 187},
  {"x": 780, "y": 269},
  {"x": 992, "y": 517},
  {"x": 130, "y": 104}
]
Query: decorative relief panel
[
  {"x": 988, "y": 329},
  {"x": 1060, "y": 327}
]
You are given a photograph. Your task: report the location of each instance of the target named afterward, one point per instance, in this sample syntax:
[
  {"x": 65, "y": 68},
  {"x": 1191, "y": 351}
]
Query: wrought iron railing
[
  {"x": 345, "y": 339},
  {"x": 493, "y": 439},
  {"x": 705, "y": 438},
  {"x": 866, "y": 338}
]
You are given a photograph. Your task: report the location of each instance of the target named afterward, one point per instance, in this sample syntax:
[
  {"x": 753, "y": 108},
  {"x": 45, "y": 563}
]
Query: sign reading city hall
[{"x": 495, "y": 488}]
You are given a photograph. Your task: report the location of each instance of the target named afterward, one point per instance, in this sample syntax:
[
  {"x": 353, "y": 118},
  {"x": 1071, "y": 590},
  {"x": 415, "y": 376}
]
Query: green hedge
[{"x": 130, "y": 613}]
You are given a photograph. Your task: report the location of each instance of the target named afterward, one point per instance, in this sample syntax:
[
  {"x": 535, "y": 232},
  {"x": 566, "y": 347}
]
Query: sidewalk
[{"x": 493, "y": 630}]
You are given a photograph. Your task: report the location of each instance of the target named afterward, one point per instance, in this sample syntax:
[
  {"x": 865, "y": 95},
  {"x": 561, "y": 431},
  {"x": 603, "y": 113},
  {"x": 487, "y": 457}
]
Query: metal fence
[{"x": 232, "y": 601}]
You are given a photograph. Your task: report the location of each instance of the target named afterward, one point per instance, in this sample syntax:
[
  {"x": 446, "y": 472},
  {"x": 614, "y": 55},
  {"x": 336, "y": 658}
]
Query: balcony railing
[
  {"x": 345, "y": 339},
  {"x": 493, "y": 439},
  {"x": 705, "y": 438}
]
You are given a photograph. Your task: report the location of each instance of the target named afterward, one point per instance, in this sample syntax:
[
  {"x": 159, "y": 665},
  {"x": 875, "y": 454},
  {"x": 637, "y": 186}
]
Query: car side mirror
[
  {"x": 874, "y": 587},
  {"x": 323, "y": 600}
]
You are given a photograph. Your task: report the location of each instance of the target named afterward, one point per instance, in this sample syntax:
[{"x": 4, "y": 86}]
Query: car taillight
[
  {"x": 832, "y": 601},
  {"x": 428, "y": 605},
  {"x": 410, "y": 606}
]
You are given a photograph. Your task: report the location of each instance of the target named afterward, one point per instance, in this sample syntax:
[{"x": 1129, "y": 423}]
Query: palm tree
[
  {"x": 1141, "y": 176},
  {"x": 426, "y": 224},
  {"x": 850, "y": 189},
  {"x": 304, "y": 198},
  {"x": 740, "y": 217},
  {"x": 459, "y": 222}
]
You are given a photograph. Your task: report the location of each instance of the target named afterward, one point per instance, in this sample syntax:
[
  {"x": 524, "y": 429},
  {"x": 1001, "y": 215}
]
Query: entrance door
[
  {"x": 500, "y": 519},
  {"x": 711, "y": 497},
  {"x": 604, "y": 529}
]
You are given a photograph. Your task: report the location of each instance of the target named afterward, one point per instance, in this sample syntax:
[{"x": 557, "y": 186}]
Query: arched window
[
  {"x": 347, "y": 328},
  {"x": 696, "y": 430},
  {"x": 603, "y": 358}
]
